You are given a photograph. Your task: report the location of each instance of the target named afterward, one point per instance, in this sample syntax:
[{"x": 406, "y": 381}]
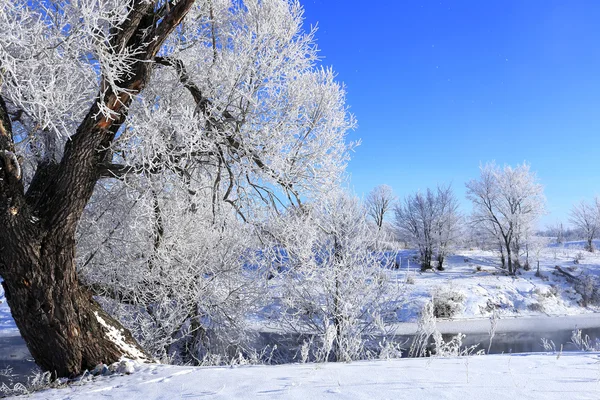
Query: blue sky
[{"x": 439, "y": 87}]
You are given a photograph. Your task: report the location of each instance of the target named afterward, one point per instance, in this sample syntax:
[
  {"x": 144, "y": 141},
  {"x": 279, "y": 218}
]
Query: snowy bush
[
  {"x": 447, "y": 302},
  {"x": 336, "y": 291},
  {"x": 584, "y": 343},
  {"x": 429, "y": 341},
  {"x": 548, "y": 345},
  {"x": 543, "y": 299},
  {"x": 36, "y": 381},
  {"x": 588, "y": 287}
]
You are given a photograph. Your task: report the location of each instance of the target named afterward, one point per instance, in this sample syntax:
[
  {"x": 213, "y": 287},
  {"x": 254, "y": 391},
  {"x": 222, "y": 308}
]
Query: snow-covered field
[
  {"x": 475, "y": 274},
  {"x": 517, "y": 376}
]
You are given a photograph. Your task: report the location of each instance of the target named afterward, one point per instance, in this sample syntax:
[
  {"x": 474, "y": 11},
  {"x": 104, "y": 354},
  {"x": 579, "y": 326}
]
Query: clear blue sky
[{"x": 440, "y": 87}]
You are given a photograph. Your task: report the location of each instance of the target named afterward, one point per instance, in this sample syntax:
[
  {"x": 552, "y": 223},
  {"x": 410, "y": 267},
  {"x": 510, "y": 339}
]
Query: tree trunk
[
  {"x": 64, "y": 328},
  {"x": 440, "y": 265},
  {"x": 425, "y": 261},
  {"x": 590, "y": 245},
  {"x": 337, "y": 312},
  {"x": 509, "y": 260}
]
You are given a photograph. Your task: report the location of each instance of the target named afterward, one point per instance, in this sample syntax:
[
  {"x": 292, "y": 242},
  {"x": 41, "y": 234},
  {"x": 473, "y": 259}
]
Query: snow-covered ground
[
  {"x": 476, "y": 275},
  {"x": 517, "y": 376}
]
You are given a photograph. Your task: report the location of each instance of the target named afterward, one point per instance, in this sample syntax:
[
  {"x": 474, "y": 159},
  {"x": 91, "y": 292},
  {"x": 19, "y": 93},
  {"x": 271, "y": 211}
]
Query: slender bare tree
[
  {"x": 506, "y": 202},
  {"x": 447, "y": 225},
  {"x": 379, "y": 202},
  {"x": 586, "y": 218}
]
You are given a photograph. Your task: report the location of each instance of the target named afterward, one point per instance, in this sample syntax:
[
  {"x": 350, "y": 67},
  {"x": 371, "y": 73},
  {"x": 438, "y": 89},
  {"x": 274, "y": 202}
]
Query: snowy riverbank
[{"x": 517, "y": 376}]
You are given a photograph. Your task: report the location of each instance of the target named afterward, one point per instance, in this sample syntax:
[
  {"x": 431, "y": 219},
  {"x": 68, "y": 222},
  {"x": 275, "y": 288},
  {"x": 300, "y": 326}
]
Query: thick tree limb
[
  {"x": 566, "y": 274},
  {"x": 74, "y": 182},
  {"x": 232, "y": 143}
]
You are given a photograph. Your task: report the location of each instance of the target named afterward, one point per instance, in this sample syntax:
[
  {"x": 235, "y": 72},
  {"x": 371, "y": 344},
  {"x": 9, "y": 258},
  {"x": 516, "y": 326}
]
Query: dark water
[
  {"x": 288, "y": 346},
  {"x": 520, "y": 342},
  {"x": 527, "y": 342},
  {"x": 14, "y": 355}
]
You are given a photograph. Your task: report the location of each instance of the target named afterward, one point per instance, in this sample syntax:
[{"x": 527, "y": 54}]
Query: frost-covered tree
[
  {"x": 379, "y": 202},
  {"x": 220, "y": 99},
  {"x": 430, "y": 222},
  {"x": 558, "y": 231},
  {"x": 586, "y": 218},
  {"x": 415, "y": 218},
  {"x": 447, "y": 224},
  {"x": 181, "y": 279},
  {"x": 507, "y": 203},
  {"x": 335, "y": 286}
]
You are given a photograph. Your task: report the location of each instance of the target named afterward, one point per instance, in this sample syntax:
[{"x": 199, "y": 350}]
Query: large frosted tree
[
  {"x": 507, "y": 203},
  {"x": 212, "y": 98}
]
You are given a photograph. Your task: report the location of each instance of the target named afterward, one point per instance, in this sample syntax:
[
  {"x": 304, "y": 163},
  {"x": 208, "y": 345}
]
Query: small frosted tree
[
  {"x": 507, "y": 203},
  {"x": 586, "y": 218},
  {"x": 415, "y": 224},
  {"x": 379, "y": 202},
  {"x": 336, "y": 286},
  {"x": 560, "y": 233},
  {"x": 430, "y": 222},
  {"x": 447, "y": 225}
]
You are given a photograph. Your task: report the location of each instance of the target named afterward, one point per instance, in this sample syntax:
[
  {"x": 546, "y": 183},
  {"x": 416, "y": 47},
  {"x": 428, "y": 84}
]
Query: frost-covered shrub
[
  {"x": 335, "y": 291},
  {"x": 447, "y": 302},
  {"x": 35, "y": 382},
  {"x": 548, "y": 345},
  {"x": 584, "y": 343},
  {"x": 588, "y": 286},
  {"x": 426, "y": 329},
  {"x": 429, "y": 341},
  {"x": 543, "y": 298}
]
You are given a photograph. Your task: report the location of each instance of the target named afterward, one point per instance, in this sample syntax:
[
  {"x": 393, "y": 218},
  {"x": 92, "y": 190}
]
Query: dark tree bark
[
  {"x": 426, "y": 255},
  {"x": 502, "y": 257},
  {"x": 64, "y": 328},
  {"x": 440, "y": 259},
  {"x": 509, "y": 258}
]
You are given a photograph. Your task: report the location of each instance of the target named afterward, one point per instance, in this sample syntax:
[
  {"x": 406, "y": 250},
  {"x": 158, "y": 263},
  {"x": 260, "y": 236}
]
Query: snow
[
  {"x": 7, "y": 324},
  {"x": 517, "y": 376},
  {"x": 116, "y": 337},
  {"x": 476, "y": 274}
]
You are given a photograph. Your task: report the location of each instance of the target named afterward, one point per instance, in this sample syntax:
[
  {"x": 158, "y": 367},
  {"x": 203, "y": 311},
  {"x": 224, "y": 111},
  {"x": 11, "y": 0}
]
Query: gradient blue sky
[{"x": 439, "y": 87}]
